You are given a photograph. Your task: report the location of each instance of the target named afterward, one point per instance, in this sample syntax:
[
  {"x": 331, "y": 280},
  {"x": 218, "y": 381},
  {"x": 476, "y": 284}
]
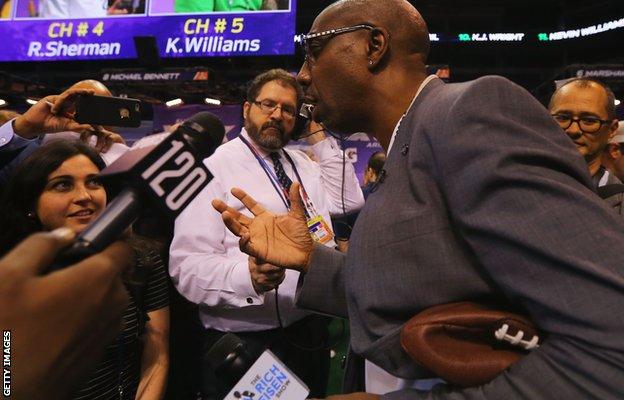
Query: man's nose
[
  {"x": 277, "y": 113},
  {"x": 303, "y": 77},
  {"x": 574, "y": 130}
]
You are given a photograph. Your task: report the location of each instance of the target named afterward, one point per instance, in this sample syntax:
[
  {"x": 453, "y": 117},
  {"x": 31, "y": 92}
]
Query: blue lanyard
[{"x": 283, "y": 194}]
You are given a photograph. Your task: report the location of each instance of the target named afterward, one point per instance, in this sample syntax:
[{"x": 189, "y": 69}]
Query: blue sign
[
  {"x": 39, "y": 32},
  {"x": 268, "y": 379}
]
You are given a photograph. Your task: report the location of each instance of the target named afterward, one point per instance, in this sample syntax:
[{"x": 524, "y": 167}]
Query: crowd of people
[{"x": 482, "y": 194}]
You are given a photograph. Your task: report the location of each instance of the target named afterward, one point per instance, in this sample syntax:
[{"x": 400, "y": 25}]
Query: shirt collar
[
  {"x": 420, "y": 89},
  {"x": 601, "y": 178}
]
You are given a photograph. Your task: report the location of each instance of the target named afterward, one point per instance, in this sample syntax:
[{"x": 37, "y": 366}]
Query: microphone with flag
[{"x": 249, "y": 376}]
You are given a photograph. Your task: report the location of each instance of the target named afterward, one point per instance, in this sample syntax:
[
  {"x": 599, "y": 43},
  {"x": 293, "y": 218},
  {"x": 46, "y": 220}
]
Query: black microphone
[
  {"x": 230, "y": 358},
  {"x": 169, "y": 174},
  {"x": 204, "y": 131},
  {"x": 306, "y": 110},
  {"x": 251, "y": 375},
  {"x": 302, "y": 120}
]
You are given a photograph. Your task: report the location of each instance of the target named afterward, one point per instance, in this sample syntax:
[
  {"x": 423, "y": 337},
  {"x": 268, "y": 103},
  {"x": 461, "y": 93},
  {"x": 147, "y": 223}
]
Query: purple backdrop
[{"x": 358, "y": 148}]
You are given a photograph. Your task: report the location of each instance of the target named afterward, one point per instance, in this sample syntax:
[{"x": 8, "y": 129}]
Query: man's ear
[
  {"x": 246, "y": 108},
  {"x": 612, "y": 130},
  {"x": 613, "y": 151},
  {"x": 615, "y": 124},
  {"x": 378, "y": 46}
]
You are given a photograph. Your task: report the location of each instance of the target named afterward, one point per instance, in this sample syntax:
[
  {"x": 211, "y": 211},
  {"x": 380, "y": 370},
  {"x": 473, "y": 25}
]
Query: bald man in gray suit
[{"x": 483, "y": 200}]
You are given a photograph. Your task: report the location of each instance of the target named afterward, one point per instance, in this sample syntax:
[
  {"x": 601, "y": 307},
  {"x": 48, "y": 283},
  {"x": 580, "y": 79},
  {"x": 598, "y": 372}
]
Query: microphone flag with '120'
[
  {"x": 167, "y": 174},
  {"x": 248, "y": 375}
]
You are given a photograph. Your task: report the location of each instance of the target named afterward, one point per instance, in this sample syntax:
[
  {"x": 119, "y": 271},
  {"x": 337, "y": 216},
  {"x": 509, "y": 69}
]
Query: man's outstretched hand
[{"x": 281, "y": 240}]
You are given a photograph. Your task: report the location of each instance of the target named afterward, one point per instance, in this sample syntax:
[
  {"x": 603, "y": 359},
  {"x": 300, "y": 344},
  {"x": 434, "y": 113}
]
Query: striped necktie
[{"x": 284, "y": 180}]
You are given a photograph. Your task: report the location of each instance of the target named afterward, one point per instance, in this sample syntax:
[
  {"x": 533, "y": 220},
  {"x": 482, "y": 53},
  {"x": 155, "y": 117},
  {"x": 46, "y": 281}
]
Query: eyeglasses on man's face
[
  {"x": 268, "y": 107},
  {"x": 586, "y": 124},
  {"x": 313, "y": 43}
]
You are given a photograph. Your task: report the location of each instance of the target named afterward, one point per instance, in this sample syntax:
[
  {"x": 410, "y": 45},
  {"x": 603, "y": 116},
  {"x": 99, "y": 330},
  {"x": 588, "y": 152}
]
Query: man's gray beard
[{"x": 268, "y": 142}]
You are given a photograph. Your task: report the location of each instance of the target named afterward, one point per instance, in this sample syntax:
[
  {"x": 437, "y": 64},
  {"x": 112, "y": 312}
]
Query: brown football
[{"x": 468, "y": 344}]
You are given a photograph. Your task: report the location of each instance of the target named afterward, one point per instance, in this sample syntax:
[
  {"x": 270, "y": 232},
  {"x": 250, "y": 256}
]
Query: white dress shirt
[{"x": 206, "y": 264}]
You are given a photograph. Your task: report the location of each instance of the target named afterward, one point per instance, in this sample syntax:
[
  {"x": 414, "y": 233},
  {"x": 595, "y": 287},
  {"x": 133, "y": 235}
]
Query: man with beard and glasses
[
  {"x": 484, "y": 200},
  {"x": 235, "y": 292}
]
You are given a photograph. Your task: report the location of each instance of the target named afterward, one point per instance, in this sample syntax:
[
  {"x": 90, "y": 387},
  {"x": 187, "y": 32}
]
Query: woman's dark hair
[{"x": 23, "y": 190}]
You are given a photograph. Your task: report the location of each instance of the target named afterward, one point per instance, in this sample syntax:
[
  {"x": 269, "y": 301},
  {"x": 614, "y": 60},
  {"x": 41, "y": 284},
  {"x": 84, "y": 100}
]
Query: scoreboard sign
[{"x": 42, "y": 30}]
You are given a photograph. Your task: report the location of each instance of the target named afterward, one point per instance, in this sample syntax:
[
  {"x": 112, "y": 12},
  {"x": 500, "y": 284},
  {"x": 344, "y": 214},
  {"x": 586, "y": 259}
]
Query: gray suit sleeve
[
  {"x": 518, "y": 193},
  {"x": 322, "y": 288}
]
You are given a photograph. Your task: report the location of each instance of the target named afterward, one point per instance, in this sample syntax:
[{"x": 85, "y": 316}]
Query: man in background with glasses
[
  {"x": 235, "y": 292},
  {"x": 585, "y": 109},
  {"x": 613, "y": 158}
]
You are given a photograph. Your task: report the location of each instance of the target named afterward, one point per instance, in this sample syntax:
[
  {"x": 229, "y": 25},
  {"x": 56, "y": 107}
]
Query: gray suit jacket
[{"x": 485, "y": 199}]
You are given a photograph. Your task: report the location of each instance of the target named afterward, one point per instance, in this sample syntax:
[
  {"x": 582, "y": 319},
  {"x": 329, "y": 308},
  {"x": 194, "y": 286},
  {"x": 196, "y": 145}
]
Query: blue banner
[
  {"x": 37, "y": 37},
  {"x": 358, "y": 148}
]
